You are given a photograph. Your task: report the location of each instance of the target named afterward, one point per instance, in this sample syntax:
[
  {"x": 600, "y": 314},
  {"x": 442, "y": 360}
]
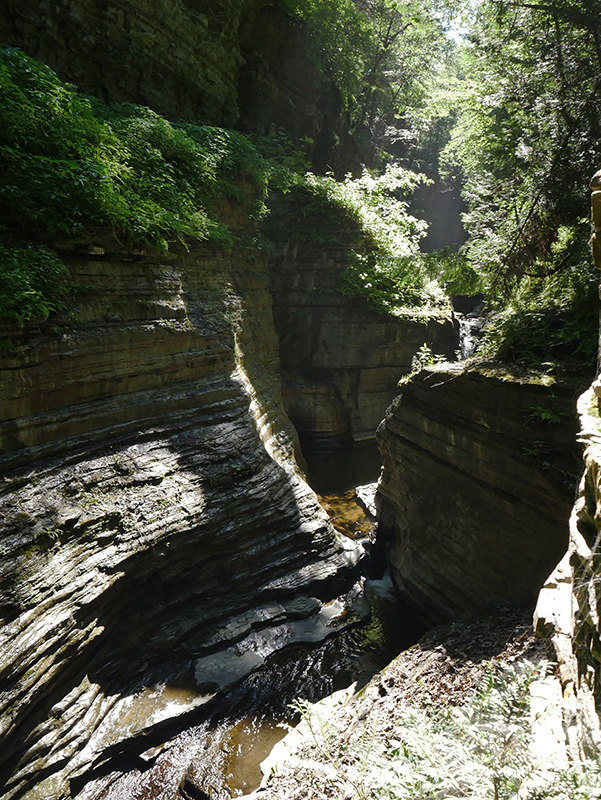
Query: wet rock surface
[
  {"x": 366, "y": 498},
  {"x": 476, "y": 493},
  {"x": 221, "y": 755},
  {"x": 442, "y": 670},
  {"x": 582, "y": 564},
  {"x": 151, "y": 512}
]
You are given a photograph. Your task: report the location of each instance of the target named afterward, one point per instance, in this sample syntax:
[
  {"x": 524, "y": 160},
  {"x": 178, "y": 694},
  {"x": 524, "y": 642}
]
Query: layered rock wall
[
  {"x": 477, "y": 488},
  {"x": 568, "y": 610},
  {"x": 151, "y": 513},
  {"x": 179, "y": 58},
  {"x": 584, "y": 556},
  {"x": 341, "y": 361}
]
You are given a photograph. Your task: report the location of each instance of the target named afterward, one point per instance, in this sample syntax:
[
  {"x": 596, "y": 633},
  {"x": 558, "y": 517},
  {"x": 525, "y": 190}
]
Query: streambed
[
  {"x": 335, "y": 479},
  {"x": 218, "y": 755}
]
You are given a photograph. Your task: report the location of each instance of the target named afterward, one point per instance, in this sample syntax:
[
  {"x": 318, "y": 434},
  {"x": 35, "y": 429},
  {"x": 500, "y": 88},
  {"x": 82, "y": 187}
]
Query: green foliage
[
  {"x": 479, "y": 751},
  {"x": 299, "y": 213},
  {"x": 338, "y": 40},
  {"x": 287, "y": 159},
  {"x": 527, "y": 137},
  {"x": 548, "y": 413},
  {"x": 551, "y": 321},
  {"x": 52, "y": 533},
  {"x": 453, "y": 270},
  {"x": 377, "y": 52},
  {"x": 431, "y": 121},
  {"x": 392, "y": 284},
  {"x": 406, "y": 45},
  {"x": 67, "y": 160},
  {"x": 32, "y": 283},
  {"x": 514, "y": 115},
  {"x": 369, "y": 215},
  {"x": 424, "y": 357},
  {"x": 373, "y": 208},
  {"x": 379, "y": 205}
]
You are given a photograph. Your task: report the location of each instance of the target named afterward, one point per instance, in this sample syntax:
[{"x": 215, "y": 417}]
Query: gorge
[
  {"x": 159, "y": 541},
  {"x": 156, "y": 527}
]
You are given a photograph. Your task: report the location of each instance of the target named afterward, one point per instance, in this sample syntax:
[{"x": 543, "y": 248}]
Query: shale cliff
[
  {"x": 567, "y": 611},
  {"x": 157, "y": 538},
  {"x": 341, "y": 360},
  {"x": 477, "y": 487},
  {"x": 152, "y": 513}
]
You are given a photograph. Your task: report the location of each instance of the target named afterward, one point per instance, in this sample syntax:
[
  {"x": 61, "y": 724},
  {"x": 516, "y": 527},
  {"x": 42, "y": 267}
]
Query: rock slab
[{"x": 476, "y": 488}]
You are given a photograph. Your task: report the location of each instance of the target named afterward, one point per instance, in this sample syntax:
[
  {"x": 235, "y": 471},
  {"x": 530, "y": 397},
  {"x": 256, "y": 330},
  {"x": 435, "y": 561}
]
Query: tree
[
  {"x": 379, "y": 53},
  {"x": 528, "y": 135}
]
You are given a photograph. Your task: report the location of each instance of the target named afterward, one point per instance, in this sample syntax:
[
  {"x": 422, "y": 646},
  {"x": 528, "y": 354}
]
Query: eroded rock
[
  {"x": 151, "y": 513},
  {"x": 341, "y": 361},
  {"x": 476, "y": 488}
]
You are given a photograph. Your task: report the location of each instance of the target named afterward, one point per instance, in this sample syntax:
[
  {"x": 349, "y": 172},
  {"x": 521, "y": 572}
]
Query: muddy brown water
[
  {"x": 221, "y": 755},
  {"x": 346, "y": 515},
  {"x": 334, "y": 479}
]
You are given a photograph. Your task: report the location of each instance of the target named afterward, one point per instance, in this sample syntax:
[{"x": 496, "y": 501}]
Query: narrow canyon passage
[
  {"x": 220, "y": 754},
  {"x": 241, "y": 240}
]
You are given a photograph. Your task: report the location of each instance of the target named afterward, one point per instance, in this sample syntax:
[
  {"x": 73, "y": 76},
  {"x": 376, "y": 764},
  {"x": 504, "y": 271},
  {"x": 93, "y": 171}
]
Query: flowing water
[
  {"x": 220, "y": 756},
  {"x": 471, "y": 324}
]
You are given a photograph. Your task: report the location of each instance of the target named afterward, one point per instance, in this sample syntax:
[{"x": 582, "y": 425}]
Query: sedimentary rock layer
[
  {"x": 341, "y": 361},
  {"x": 477, "y": 487},
  {"x": 151, "y": 512},
  {"x": 568, "y": 609}
]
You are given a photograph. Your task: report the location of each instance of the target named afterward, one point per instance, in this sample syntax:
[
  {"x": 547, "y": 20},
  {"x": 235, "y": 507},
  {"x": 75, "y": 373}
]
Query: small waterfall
[{"x": 471, "y": 319}]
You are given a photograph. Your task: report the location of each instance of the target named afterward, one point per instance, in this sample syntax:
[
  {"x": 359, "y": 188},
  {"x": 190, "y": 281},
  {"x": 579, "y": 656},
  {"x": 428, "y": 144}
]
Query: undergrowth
[
  {"x": 67, "y": 160},
  {"x": 481, "y": 750},
  {"x": 368, "y": 217},
  {"x": 32, "y": 283},
  {"x": 549, "y": 323}
]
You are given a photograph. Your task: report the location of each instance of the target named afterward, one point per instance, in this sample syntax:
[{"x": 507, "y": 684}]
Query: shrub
[
  {"x": 480, "y": 750},
  {"x": 369, "y": 216},
  {"x": 67, "y": 160},
  {"x": 32, "y": 281}
]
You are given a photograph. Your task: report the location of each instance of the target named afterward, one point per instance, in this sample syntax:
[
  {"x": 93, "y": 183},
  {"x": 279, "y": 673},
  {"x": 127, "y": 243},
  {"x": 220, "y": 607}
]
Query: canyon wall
[
  {"x": 172, "y": 56},
  {"x": 584, "y": 550},
  {"x": 477, "y": 487},
  {"x": 568, "y": 609},
  {"x": 151, "y": 512},
  {"x": 341, "y": 360}
]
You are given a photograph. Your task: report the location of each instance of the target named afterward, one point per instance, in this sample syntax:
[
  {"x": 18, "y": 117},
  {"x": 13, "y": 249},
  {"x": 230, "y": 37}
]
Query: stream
[{"x": 220, "y": 756}]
